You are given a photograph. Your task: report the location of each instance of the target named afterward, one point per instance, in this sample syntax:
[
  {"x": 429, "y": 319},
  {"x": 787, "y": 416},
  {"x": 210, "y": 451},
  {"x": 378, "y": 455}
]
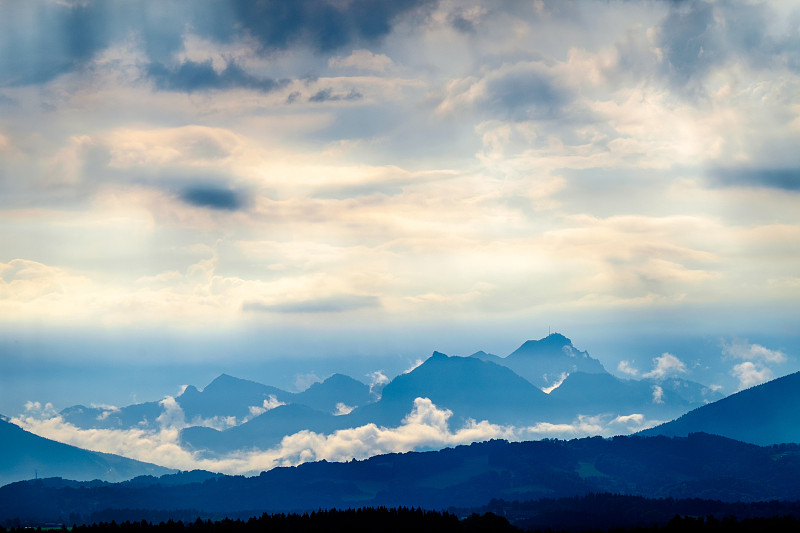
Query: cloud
[
  {"x": 42, "y": 40},
  {"x": 778, "y": 178},
  {"x": 304, "y": 381},
  {"x": 322, "y": 25},
  {"x": 584, "y": 425},
  {"x": 414, "y": 365},
  {"x": 425, "y": 427},
  {"x": 173, "y": 416},
  {"x": 754, "y": 370},
  {"x": 741, "y": 349},
  {"x": 557, "y": 383},
  {"x": 190, "y": 76},
  {"x": 626, "y": 368},
  {"x": 331, "y": 304},
  {"x": 343, "y": 409},
  {"x": 636, "y": 418},
  {"x": 270, "y": 403},
  {"x": 665, "y": 365},
  {"x": 213, "y": 197},
  {"x": 519, "y": 92},
  {"x": 658, "y": 394},
  {"x": 750, "y": 374},
  {"x": 327, "y": 95},
  {"x": 39, "y": 410},
  {"x": 697, "y": 37},
  {"x": 362, "y": 59},
  {"x": 377, "y": 380}
]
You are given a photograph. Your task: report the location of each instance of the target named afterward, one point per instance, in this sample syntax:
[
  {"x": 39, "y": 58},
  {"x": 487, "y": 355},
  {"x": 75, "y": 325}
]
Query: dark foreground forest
[{"x": 405, "y": 520}]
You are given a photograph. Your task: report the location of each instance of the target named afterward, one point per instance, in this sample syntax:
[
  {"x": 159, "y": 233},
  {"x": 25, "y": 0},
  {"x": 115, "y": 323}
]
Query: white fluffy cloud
[
  {"x": 666, "y": 365},
  {"x": 750, "y": 374},
  {"x": 270, "y": 403},
  {"x": 658, "y": 394},
  {"x": 426, "y": 426},
  {"x": 377, "y": 380},
  {"x": 741, "y": 349},
  {"x": 626, "y": 367},
  {"x": 756, "y": 368}
]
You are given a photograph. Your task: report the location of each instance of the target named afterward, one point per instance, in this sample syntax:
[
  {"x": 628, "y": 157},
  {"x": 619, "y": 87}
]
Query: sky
[{"x": 283, "y": 190}]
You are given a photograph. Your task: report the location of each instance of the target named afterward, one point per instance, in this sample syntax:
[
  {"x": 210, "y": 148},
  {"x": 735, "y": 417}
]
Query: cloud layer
[{"x": 425, "y": 427}]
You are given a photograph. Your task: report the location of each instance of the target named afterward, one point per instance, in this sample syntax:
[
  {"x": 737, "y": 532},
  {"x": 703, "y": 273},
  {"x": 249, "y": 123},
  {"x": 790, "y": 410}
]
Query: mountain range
[
  {"x": 544, "y": 381},
  {"x": 743, "y": 448}
]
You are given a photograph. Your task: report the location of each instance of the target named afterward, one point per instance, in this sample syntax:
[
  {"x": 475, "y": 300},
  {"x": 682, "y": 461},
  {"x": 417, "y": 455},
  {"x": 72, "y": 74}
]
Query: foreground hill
[
  {"x": 765, "y": 414},
  {"x": 24, "y": 455},
  {"x": 467, "y": 476}
]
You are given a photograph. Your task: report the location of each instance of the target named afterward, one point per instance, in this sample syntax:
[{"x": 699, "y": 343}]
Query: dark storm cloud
[
  {"x": 524, "y": 94},
  {"x": 40, "y": 40},
  {"x": 330, "y": 304},
  {"x": 324, "y": 25},
  {"x": 193, "y": 76},
  {"x": 775, "y": 178},
  {"x": 327, "y": 95},
  {"x": 213, "y": 197},
  {"x": 699, "y": 35}
]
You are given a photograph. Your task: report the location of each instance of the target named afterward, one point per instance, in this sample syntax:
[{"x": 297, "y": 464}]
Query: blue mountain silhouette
[
  {"x": 765, "y": 414},
  {"x": 24, "y": 455},
  {"x": 546, "y": 361}
]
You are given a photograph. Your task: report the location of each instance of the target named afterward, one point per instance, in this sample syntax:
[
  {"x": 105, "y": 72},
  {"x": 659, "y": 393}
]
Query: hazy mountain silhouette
[
  {"x": 248, "y": 415},
  {"x": 263, "y": 431},
  {"x": 765, "y": 414},
  {"x": 338, "y": 389},
  {"x": 469, "y": 387},
  {"x": 547, "y": 361},
  {"x": 140, "y": 414},
  {"x": 227, "y": 396},
  {"x": 599, "y": 393},
  {"x": 24, "y": 455}
]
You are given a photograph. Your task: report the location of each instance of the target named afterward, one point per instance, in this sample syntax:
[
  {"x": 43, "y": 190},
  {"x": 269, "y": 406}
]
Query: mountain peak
[
  {"x": 190, "y": 390},
  {"x": 542, "y": 362},
  {"x": 224, "y": 381},
  {"x": 554, "y": 340},
  {"x": 438, "y": 356},
  {"x": 553, "y": 344}
]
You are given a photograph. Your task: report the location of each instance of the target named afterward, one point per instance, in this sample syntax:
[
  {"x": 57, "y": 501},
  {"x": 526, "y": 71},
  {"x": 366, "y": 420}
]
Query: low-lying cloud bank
[{"x": 425, "y": 427}]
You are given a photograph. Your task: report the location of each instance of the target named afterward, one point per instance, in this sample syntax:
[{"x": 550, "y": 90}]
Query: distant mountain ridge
[
  {"x": 546, "y": 381},
  {"x": 765, "y": 414},
  {"x": 24, "y": 455}
]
